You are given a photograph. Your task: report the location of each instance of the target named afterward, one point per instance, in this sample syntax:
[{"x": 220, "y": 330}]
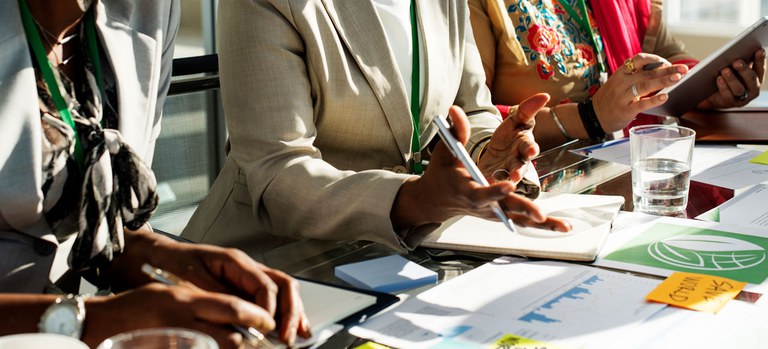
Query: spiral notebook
[{"x": 590, "y": 215}]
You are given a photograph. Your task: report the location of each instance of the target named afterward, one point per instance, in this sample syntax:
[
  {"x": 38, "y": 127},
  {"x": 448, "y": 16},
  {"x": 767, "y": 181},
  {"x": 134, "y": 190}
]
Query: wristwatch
[{"x": 65, "y": 316}]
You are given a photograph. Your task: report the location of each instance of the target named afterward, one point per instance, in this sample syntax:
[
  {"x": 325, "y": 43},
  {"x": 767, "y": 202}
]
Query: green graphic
[{"x": 698, "y": 250}]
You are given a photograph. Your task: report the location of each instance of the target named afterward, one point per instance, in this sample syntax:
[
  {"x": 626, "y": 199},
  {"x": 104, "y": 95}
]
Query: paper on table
[
  {"x": 747, "y": 209},
  {"x": 700, "y": 292},
  {"x": 386, "y": 274},
  {"x": 674, "y": 244},
  {"x": 545, "y": 301},
  {"x": 723, "y": 166}
]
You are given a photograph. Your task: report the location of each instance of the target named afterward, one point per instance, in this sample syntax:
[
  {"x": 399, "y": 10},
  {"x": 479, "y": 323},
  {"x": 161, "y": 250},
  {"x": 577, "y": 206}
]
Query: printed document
[
  {"x": 749, "y": 208},
  {"x": 563, "y": 304}
]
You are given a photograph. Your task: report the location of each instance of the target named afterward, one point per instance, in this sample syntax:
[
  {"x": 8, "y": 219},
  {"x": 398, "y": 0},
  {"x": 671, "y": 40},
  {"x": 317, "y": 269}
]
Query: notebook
[{"x": 590, "y": 216}]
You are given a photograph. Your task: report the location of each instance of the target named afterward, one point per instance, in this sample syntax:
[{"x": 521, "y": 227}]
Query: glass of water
[
  {"x": 661, "y": 168},
  {"x": 160, "y": 338}
]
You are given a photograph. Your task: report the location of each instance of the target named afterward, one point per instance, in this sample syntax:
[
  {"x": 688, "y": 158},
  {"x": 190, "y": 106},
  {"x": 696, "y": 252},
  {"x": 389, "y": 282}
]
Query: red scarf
[{"x": 622, "y": 25}]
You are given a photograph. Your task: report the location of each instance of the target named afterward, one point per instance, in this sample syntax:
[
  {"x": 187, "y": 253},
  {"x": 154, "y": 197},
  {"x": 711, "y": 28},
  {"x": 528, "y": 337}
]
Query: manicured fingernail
[{"x": 663, "y": 97}]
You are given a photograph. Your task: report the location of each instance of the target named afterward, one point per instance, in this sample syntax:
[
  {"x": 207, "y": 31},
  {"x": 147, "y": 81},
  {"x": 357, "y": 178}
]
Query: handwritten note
[
  {"x": 704, "y": 293},
  {"x": 511, "y": 341},
  {"x": 760, "y": 159}
]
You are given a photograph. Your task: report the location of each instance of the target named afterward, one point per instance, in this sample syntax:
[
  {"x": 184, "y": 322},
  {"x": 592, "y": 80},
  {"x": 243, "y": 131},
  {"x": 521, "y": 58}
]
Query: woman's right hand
[
  {"x": 447, "y": 189},
  {"x": 185, "y": 306},
  {"x": 626, "y": 93}
]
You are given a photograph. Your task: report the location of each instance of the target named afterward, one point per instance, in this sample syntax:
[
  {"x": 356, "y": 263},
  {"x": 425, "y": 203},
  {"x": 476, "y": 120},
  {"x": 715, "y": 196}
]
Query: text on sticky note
[{"x": 696, "y": 291}]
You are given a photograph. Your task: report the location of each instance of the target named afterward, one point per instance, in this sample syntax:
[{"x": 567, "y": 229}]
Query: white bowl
[{"x": 40, "y": 340}]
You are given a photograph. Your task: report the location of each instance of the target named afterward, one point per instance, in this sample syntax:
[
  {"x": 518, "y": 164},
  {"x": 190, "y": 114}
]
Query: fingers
[
  {"x": 292, "y": 317},
  {"x": 550, "y": 223},
  {"x": 758, "y": 65},
  {"x": 460, "y": 124},
  {"x": 226, "y": 309}
]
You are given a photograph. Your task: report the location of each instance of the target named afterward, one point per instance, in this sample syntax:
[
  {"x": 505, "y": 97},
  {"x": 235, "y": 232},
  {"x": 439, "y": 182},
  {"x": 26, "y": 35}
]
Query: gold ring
[{"x": 630, "y": 64}]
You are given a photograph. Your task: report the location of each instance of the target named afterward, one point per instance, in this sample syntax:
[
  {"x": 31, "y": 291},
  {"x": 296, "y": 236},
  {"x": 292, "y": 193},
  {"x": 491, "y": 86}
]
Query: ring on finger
[
  {"x": 500, "y": 175},
  {"x": 633, "y": 89},
  {"x": 743, "y": 97},
  {"x": 630, "y": 65}
]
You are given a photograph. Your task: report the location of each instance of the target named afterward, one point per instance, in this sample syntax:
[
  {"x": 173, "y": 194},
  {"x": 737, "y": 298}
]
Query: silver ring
[
  {"x": 500, "y": 175},
  {"x": 743, "y": 97},
  {"x": 633, "y": 89}
]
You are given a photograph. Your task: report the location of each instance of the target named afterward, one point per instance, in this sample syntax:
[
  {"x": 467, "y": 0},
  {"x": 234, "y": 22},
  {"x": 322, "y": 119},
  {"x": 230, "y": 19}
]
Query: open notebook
[{"x": 590, "y": 216}]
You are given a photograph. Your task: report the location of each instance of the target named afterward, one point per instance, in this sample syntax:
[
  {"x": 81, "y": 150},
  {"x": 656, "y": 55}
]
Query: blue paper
[{"x": 386, "y": 274}]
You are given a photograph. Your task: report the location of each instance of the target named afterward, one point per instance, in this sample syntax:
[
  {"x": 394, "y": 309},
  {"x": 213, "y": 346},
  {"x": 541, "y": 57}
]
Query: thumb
[
  {"x": 461, "y": 127},
  {"x": 526, "y": 111}
]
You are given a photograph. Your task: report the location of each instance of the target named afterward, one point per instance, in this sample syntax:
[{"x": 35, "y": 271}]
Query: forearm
[
  {"x": 26, "y": 310},
  {"x": 549, "y": 135}
]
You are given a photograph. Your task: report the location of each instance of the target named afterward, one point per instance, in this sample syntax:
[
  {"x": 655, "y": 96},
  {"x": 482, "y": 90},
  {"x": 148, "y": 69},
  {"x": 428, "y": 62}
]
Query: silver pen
[
  {"x": 458, "y": 151},
  {"x": 250, "y": 334}
]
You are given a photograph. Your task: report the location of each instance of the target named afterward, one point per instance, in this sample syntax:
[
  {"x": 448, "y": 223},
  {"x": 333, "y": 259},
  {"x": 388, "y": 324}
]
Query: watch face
[{"x": 62, "y": 320}]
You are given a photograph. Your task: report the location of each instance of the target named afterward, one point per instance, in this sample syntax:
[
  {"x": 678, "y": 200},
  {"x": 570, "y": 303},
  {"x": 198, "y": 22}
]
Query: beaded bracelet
[{"x": 590, "y": 121}]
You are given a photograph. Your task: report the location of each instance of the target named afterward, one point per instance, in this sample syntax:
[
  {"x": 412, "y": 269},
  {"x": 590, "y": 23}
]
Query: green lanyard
[
  {"x": 415, "y": 142},
  {"x": 586, "y": 26},
  {"x": 47, "y": 71}
]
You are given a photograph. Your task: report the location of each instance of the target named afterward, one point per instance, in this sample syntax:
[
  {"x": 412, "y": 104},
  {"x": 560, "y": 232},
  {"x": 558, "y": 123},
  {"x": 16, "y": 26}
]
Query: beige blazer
[
  {"x": 319, "y": 120},
  {"x": 137, "y": 36}
]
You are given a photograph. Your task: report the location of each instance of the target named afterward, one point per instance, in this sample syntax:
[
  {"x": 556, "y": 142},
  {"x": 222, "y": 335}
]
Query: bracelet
[
  {"x": 590, "y": 121},
  {"x": 559, "y": 124}
]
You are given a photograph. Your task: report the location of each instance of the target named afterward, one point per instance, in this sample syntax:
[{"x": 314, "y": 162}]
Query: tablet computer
[{"x": 699, "y": 83}]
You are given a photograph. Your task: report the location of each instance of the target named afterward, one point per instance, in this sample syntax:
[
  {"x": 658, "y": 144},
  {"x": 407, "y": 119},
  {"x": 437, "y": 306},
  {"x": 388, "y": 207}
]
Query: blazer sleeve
[
  {"x": 166, "y": 63},
  {"x": 268, "y": 105}
]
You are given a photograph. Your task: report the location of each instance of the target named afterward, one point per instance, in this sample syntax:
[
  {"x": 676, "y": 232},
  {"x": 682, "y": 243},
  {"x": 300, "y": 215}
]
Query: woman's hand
[
  {"x": 219, "y": 270},
  {"x": 625, "y": 94},
  {"x": 512, "y": 146},
  {"x": 738, "y": 84},
  {"x": 185, "y": 306},
  {"x": 447, "y": 189}
]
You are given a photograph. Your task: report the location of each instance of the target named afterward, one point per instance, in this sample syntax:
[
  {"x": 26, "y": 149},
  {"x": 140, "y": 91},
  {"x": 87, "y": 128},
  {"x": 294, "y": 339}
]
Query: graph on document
[
  {"x": 593, "y": 302},
  {"x": 576, "y": 296}
]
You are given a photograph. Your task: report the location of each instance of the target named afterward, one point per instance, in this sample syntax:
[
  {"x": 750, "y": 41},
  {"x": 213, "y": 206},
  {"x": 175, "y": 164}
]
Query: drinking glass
[
  {"x": 661, "y": 168},
  {"x": 160, "y": 338}
]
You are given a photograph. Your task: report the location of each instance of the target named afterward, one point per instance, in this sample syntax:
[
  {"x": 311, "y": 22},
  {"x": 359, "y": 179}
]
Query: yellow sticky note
[
  {"x": 371, "y": 345},
  {"x": 512, "y": 341},
  {"x": 700, "y": 292},
  {"x": 760, "y": 159}
]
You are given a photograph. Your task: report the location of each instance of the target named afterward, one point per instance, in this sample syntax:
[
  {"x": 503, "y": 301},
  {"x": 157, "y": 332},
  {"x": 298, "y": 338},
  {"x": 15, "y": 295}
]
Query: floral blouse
[{"x": 532, "y": 46}]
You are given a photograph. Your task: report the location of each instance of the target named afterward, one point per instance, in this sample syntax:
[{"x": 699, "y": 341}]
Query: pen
[
  {"x": 250, "y": 334},
  {"x": 458, "y": 151}
]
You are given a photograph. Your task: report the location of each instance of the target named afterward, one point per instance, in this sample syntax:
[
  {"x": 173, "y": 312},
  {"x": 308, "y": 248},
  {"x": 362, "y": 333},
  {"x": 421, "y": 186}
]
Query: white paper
[
  {"x": 719, "y": 165},
  {"x": 748, "y": 209},
  {"x": 558, "y": 303},
  {"x": 620, "y": 237}
]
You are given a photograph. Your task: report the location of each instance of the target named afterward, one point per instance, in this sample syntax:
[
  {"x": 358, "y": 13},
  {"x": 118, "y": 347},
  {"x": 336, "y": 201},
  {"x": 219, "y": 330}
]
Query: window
[{"x": 724, "y": 18}]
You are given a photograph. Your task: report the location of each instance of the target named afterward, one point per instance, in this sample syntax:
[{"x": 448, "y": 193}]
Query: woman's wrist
[
  {"x": 590, "y": 120},
  {"x": 408, "y": 209}
]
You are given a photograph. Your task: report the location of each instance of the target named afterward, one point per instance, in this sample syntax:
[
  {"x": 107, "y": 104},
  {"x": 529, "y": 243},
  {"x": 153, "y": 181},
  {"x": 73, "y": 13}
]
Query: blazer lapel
[
  {"x": 435, "y": 39},
  {"x": 132, "y": 56},
  {"x": 20, "y": 130},
  {"x": 367, "y": 44}
]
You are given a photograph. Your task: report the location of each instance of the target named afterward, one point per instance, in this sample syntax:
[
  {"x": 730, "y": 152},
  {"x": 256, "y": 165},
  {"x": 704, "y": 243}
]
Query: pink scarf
[{"x": 622, "y": 25}]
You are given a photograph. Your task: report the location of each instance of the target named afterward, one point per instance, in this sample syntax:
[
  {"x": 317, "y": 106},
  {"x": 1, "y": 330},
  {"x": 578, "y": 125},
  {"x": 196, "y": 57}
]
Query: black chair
[{"x": 202, "y": 72}]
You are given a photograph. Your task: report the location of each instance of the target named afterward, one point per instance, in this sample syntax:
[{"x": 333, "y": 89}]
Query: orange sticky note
[{"x": 700, "y": 292}]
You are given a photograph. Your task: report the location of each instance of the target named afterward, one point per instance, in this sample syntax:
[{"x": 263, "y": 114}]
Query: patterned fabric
[
  {"x": 555, "y": 42},
  {"x": 116, "y": 188}
]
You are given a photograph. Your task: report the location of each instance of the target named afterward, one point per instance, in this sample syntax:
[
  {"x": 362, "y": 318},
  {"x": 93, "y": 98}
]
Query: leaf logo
[{"x": 707, "y": 252}]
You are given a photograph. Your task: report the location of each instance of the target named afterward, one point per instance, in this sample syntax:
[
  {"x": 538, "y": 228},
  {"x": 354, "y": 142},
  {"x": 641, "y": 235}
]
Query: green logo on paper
[
  {"x": 698, "y": 250},
  {"x": 707, "y": 252}
]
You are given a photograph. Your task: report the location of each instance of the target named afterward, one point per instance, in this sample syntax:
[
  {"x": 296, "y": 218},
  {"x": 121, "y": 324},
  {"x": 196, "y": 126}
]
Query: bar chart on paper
[{"x": 564, "y": 304}]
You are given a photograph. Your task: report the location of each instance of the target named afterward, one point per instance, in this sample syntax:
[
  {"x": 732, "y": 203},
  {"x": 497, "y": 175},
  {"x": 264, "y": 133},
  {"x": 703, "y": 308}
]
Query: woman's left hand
[
  {"x": 512, "y": 145},
  {"x": 737, "y": 84}
]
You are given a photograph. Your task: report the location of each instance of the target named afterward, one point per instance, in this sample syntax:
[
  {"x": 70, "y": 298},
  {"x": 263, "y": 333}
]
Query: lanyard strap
[
  {"x": 33, "y": 35},
  {"x": 586, "y": 26},
  {"x": 415, "y": 75}
]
